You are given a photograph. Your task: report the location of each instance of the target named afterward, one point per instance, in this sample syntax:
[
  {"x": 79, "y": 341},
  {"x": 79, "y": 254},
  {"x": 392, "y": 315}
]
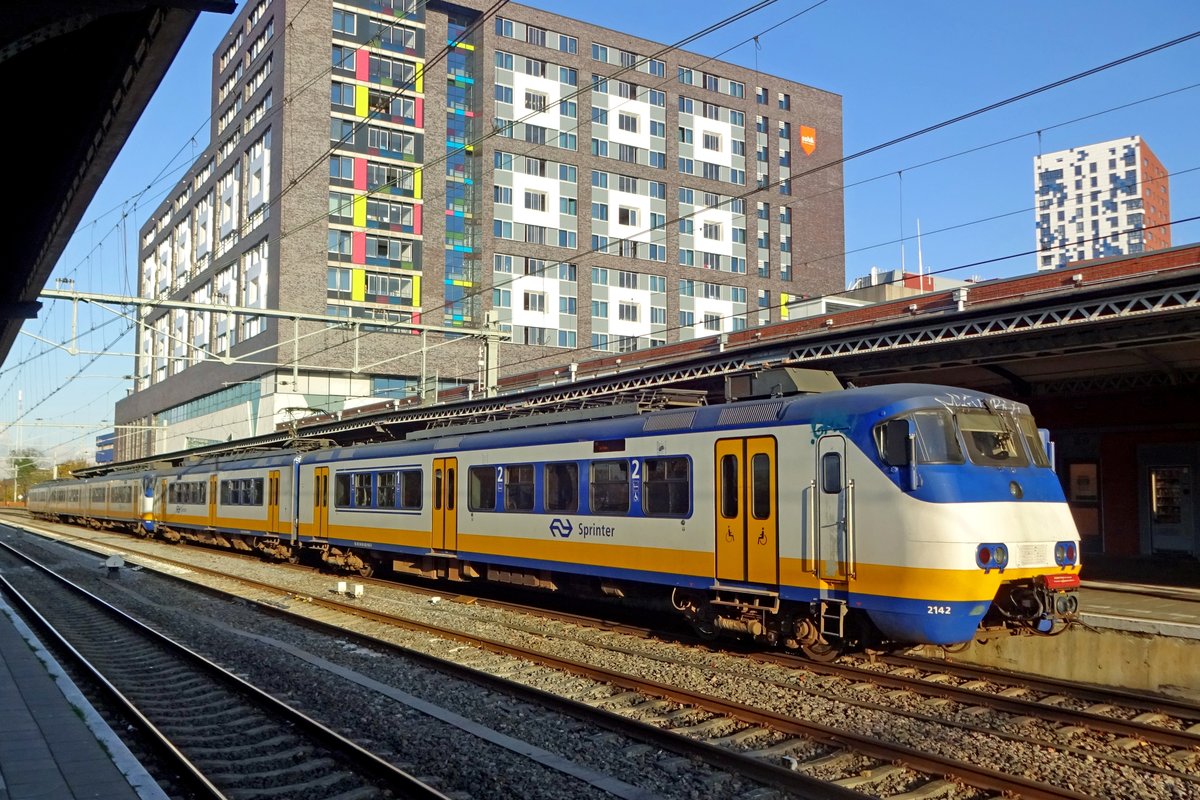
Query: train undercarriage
[{"x": 822, "y": 629}]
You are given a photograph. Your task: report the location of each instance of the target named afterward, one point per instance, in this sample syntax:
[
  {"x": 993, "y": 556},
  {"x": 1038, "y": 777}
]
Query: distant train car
[
  {"x": 110, "y": 502},
  {"x": 244, "y": 504},
  {"x": 894, "y": 514}
]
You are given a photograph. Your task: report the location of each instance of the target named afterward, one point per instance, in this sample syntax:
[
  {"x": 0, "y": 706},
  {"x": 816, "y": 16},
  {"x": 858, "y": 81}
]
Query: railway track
[
  {"x": 804, "y": 746},
  {"x": 224, "y": 737}
]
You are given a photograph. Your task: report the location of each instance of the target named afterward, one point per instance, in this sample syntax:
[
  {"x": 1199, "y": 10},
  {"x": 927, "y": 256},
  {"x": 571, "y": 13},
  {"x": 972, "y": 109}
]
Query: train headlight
[
  {"x": 1065, "y": 554},
  {"x": 991, "y": 556}
]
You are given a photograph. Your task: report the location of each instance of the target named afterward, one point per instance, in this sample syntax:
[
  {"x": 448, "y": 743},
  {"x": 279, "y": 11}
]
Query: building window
[
  {"x": 535, "y": 101},
  {"x": 535, "y": 301},
  {"x": 535, "y": 201},
  {"x": 344, "y": 21},
  {"x": 627, "y": 312},
  {"x": 628, "y": 122}
]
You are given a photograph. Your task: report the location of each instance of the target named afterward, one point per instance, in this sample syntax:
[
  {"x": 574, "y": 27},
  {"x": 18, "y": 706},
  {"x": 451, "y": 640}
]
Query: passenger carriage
[{"x": 908, "y": 513}]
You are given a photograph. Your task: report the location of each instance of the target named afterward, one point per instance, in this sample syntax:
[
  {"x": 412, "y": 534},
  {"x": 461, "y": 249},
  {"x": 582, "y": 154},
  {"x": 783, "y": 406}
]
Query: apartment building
[
  {"x": 399, "y": 173},
  {"x": 1105, "y": 199}
]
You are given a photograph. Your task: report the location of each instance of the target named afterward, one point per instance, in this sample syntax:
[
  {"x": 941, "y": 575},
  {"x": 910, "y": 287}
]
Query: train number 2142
[{"x": 938, "y": 609}]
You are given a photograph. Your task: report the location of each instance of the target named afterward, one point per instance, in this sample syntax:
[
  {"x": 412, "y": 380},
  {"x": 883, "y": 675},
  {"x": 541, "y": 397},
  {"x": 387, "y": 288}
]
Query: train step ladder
[{"x": 833, "y": 618}]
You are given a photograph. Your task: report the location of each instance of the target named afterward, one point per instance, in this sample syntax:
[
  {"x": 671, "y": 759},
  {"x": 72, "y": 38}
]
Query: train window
[
  {"x": 234, "y": 492},
  {"x": 730, "y": 486},
  {"x": 562, "y": 487},
  {"x": 989, "y": 441},
  {"x": 831, "y": 473},
  {"x": 936, "y": 439},
  {"x": 387, "y": 489},
  {"x": 437, "y": 490},
  {"x": 451, "y": 487},
  {"x": 760, "y": 486},
  {"x": 668, "y": 487},
  {"x": 361, "y": 483},
  {"x": 410, "y": 489},
  {"x": 481, "y": 488},
  {"x": 341, "y": 489},
  {"x": 1033, "y": 440},
  {"x": 610, "y": 487},
  {"x": 99, "y": 495},
  {"x": 518, "y": 488}
]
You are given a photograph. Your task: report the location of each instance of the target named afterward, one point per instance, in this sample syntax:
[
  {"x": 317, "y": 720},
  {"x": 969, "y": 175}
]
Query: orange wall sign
[{"x": 808, "y": 139}]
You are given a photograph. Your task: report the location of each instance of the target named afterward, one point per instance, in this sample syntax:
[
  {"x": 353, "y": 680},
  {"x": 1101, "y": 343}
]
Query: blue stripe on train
[{"x": 928, "y": 620}]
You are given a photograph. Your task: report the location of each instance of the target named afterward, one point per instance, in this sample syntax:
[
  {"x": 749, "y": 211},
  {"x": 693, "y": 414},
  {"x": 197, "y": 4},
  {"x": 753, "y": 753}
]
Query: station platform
[
  {"x": 1141, "y": 608},
  {"x": 53, "y": 743}
]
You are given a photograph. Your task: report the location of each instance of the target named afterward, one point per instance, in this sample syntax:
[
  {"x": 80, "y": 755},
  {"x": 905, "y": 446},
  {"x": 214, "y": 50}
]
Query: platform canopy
[{"x": 78, "y": 76}]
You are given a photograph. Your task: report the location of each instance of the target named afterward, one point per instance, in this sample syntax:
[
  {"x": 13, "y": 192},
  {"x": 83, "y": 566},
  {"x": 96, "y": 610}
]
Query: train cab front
[
  {"x": 985, "y": 491},
  {"x": 1044, "y": 603}
]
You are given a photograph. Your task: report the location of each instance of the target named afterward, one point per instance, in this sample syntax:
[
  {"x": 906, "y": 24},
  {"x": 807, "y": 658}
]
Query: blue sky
[{"x": 899, "y": 67}]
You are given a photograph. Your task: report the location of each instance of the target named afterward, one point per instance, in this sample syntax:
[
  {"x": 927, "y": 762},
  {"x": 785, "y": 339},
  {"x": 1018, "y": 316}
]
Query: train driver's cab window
[
  {"x": 1033, "y": 440},
  {"x": 668, "y": 488},
  {"x": 936, "y": 439},
  {"x": 610, "y": 487},
  {"x": 989, "y": 440},
  {"x": 481, "y": 488},
  {"x": 518, "y": 487},
  {"x": 561, "y": 483}
]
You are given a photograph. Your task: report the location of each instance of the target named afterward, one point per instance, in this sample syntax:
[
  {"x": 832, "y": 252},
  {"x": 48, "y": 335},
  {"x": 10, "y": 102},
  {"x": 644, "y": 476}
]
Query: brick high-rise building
[
  {"x": 1106, "y": 199},
  {"x": 393, "y": 161}
]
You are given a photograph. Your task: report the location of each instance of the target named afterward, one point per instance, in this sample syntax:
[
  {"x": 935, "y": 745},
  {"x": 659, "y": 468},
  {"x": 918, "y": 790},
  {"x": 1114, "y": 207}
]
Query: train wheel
[
  {"x": 366, "y": 570},
  {"x": 821, "y": 652}
]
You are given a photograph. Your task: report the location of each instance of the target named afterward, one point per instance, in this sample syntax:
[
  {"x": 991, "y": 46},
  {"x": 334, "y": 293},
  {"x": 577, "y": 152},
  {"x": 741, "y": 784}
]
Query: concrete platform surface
[
  {"x": 53, "y": 743},
  {"x": 1140, "y": 608}
]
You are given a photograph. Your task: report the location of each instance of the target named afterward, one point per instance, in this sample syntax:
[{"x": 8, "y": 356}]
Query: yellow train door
[
  {"x": 747, "y": 526},
  {"x": 212, "y": 501},
  {"x": 445, "y": 504},
  {"x": 273, "y": 501},
  {"x": 321, "y": 502}
]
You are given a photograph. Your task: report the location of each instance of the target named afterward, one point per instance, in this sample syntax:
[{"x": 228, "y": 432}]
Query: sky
[{"x": 899, "y": 67}]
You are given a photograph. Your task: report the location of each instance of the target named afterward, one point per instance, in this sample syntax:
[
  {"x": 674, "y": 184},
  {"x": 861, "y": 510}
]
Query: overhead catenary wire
[
  {"x": 552, "y": 264},
  {"x": 559, "y": 352}
]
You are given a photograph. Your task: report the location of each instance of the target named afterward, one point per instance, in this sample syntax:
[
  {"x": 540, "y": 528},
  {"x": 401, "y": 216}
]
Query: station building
[{"x": 391, "y": 163}]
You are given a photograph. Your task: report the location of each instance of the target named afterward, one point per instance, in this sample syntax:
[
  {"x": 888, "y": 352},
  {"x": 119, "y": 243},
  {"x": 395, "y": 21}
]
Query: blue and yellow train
[{"x": 891, "y": 514}]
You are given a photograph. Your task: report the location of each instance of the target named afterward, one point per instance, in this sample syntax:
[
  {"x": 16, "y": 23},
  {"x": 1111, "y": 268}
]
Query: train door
[
  {"x": 747, "y": 546},
  {"x": 212, "y": 501},
  {"x": 321, "y": 502},
  {"x": 445, "y": 503},
  {"x": 834, "y": 513},
  {"x": 161, "y": 499},
  {"x": 273, "y": 501}
]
